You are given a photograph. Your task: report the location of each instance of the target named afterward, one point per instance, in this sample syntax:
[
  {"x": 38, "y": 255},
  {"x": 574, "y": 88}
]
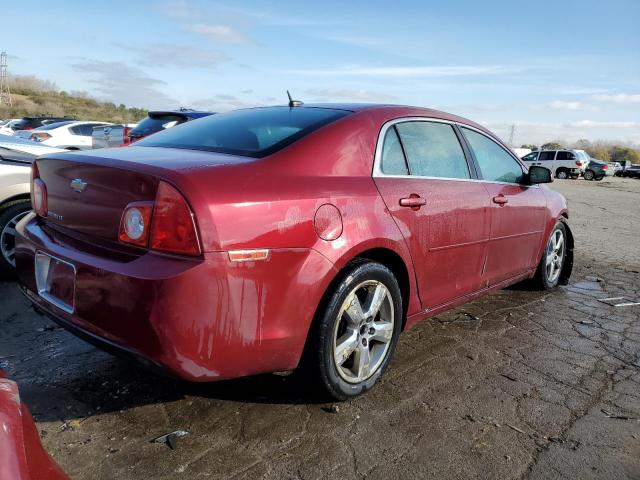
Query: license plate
[{"x": 56, "y": 281}]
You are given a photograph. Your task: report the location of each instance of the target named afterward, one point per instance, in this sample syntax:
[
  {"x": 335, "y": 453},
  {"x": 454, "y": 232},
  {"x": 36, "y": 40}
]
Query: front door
[
  {"x": 425, "y": 181},
  {"x": 517, "y": 210}
]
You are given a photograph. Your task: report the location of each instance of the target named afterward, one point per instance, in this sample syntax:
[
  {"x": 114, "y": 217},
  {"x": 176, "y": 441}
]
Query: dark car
[
  {"x": 227, "y": 246},
  {"x": 595, "y": 170},
  {"x": 29, "y": 123},
  {"x": 633, "y": 171},
  {"x": 161, "y": 120}
]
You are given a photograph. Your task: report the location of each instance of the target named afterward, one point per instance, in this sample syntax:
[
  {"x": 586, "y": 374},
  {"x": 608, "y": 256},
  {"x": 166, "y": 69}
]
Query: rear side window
[
  {"x": 565, "y": 156},
  {"x": 495, "y": 163},
  {"x": 393, "y": 162},
  {"x": 433, "y": 150},
  {"x": 254, "y": 132},
  {"x": 547, "y": 155}
]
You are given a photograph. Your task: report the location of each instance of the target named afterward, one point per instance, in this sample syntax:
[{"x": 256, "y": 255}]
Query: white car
[
  {"x": 5, "y": 126},
  {"x": 70, "y": 135},
  {"x": 16, "y": 156},
  {"x": 562, "y": 163}
]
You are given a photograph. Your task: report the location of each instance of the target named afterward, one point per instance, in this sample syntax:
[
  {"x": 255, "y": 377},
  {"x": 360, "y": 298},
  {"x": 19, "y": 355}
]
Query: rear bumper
[{"x": 199, "y": 319}]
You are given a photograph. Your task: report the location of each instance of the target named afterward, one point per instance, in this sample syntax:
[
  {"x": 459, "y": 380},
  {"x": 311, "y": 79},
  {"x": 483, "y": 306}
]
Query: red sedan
[{"x": 230, "y": 245}]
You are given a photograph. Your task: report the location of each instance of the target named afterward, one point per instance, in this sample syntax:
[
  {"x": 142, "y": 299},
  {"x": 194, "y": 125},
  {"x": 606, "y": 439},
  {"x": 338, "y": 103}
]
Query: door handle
[
  {"x": 413, "y": 201},
  {"x": 500, "y": 200}
]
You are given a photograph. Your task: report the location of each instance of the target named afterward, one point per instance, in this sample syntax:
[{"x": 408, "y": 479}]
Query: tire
[
  {"x": 589, "y": 175},
  {"x": 9, "y": 217},
  {"x": 547, "y": 278},
  {"x": 562, "y": 174},
  {"x": 346, "y": 326}
]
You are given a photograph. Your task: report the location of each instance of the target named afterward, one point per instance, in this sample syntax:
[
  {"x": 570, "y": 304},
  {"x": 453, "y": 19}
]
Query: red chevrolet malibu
[{"x": 230, "y": 245}]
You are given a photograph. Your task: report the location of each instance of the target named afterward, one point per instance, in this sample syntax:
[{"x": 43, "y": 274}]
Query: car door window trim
[{"x": 471, "y": 161}]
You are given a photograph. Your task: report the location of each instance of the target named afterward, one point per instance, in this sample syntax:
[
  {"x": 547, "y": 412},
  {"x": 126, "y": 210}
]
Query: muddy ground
[{"x": 529, "y": 385}]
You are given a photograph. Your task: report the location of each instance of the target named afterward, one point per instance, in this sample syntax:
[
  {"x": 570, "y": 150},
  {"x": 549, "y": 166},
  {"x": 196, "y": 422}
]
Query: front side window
[
  {"x": 530, "y": 157},
  {"x": 547, "y": 155},
  {"x": 393, "y": 161},
  {"x": 433, "y": 150},
  {"x": 495, "y": 163}
]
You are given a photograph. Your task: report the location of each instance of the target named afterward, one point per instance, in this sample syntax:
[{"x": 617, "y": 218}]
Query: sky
[{"x": 557, "y": 69}]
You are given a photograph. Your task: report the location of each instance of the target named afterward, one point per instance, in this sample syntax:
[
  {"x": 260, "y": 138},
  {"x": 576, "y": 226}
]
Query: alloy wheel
[
  {"x": 363, "y": 331},
  {"x": 8, "y": 239},
  {"x": 554, "y": 256}
]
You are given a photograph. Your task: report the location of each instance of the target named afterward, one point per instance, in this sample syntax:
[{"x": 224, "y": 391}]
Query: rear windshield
[
  {"x": 156, "y": 123},
  {"x": 254, "y": 132}
]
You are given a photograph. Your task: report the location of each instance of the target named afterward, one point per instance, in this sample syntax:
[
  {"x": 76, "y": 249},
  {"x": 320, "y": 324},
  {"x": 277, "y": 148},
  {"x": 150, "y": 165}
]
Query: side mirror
[{"x": 539, "y": 174}]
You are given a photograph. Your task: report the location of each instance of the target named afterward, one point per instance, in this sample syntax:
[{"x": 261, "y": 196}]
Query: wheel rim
[
  {"x": 363, "y": 331},
  {"x": 588, "y": 175},
  {"x": 562, "y": 175},
  {"x": 554, "y": 255},
  {"x": 8, "y": 239}
]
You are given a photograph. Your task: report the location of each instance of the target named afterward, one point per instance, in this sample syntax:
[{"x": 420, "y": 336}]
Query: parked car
[
  {"x": 70, "y": 135},
  {"x": 7, "y": 127},
  {"x": 30, "y": 123},
  {"x": 596, "y": 170},
  {"x": 562, "y": 163},
  {"x": 16, "y": 157},
  {"x": 227, "y": 246},
  {"x": 632, "y": 171},
  {"x": 614, "y": 169},
  {"x": 157, "y": 121},
  {"x": 111, "y": 135},
  {"x": 23, "y": 456}
]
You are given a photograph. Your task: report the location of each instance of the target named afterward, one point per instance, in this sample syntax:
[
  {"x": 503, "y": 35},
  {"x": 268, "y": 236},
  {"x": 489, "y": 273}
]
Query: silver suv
[{"x": 562, "y": 163}]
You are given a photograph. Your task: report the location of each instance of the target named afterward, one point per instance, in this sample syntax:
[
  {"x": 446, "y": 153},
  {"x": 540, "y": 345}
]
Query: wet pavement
[{"x": 520, "y": 384}]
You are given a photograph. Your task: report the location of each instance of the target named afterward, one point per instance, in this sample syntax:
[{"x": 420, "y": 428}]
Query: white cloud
[
  {"x": 329, "y": 94},
  {"x": 416, "y": 71},
  {"x": 541, "y": 132},
  {"x": 184, "y": 56},
  {"x": 175, "y": 9},
  {"x": 121, "y": 83},
  {"x": 222, "y": 33},
  {"x": 618, "y": 98},
  {"x": 564, "y": 105}
]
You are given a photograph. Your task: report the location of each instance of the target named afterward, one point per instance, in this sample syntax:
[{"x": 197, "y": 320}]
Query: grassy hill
[{"x": 32, "y": 96}]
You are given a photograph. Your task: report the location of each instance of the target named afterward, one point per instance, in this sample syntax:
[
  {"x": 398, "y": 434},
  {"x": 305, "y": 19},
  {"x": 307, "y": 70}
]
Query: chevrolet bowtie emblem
[{"x": 78, "y": 185}]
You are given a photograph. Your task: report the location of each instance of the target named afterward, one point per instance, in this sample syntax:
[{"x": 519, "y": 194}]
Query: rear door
[
  {"x": 428, "y": 185},
  {"x": 517, "y": 210}
]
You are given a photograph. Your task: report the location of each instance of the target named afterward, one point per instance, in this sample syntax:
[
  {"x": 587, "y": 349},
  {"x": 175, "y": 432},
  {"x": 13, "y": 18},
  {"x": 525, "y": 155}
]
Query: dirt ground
[{"x": 529, "y": 385}]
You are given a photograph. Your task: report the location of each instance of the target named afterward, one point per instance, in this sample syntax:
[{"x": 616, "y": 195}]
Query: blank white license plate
[{"x": 56, "y": 281}]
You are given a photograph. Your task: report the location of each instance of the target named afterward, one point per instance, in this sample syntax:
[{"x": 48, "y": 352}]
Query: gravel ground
[{"x": 530, "y": 385}]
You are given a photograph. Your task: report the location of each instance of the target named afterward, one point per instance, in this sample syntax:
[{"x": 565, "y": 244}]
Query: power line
[{"x": 5, "y": 92}]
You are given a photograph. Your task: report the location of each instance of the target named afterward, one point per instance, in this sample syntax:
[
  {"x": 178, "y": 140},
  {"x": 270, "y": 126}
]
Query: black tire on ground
[
  {"x": 10, "y": 212},
  {"x": 599, "y": 178},
  {"x": 562, "y": 174},
  {"x": 541, "y": 278},
  {"x": 331, "y": 318},
  {"x": 589, "y": 175}
]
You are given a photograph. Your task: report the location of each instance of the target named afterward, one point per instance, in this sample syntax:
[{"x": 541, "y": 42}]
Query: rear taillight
[
  {"x": 135, "y": 223},
  {"x": 126, "y": 138},
  {"x": 166, "y": 225},
  {"x": 605, "y": 167},
  {"x": 38, "y": 192},
  {"x": 173, "y": 227},
  {"x": 578, "y": 163}
]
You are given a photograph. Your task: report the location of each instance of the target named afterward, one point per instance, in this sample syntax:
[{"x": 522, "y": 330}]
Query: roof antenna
[{"x": 292, "y": 102}]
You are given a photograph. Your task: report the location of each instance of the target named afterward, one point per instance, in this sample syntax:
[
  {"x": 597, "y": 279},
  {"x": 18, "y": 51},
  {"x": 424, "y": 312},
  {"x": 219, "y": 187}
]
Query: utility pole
[
  {"x": 512, "y": 134},
  {"x": 5, "y": 93}
]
